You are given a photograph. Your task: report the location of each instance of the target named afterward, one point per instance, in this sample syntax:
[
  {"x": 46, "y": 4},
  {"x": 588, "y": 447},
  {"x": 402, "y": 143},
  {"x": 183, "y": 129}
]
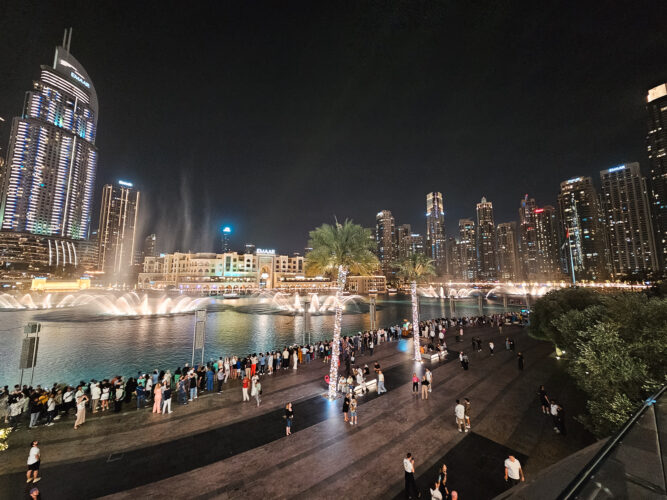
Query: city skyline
[{"x": 440, "y": 153}]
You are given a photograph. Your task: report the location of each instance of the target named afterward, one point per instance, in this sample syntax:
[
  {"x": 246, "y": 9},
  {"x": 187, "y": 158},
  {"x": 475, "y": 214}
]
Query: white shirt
[
  {"x": 407, "y": 465},
  {"x": 435, "y": 494},
  {"x": 32, "y": 457},
  {"x": 460, "y": 411},
  {"x": 513, "y": 468}
]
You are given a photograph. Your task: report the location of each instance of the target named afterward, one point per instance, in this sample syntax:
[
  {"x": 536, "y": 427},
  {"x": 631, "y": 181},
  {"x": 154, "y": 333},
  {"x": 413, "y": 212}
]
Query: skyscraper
[
  {"x": 52, "y": 158},
  {"x": 625, "y": 204},
  {"x": 402, "y": 239},
  {"x": 117, "y": 231},
  {"x": 226, "y": 239},
  {"x": 435, "y": 231},
  {"x": 385, "y": 238},
  {"x": 468, "y": 249},
  {"x": 508, "y": 258},
  {"x": 486, "y": 241},
  {"x": 583, "y": 229},
  {"x": 528, "y": 237},
  {"x": 657, "y": 156},
  {"x": 151, "y": 246},
  {"x": 548, "y": 249}
]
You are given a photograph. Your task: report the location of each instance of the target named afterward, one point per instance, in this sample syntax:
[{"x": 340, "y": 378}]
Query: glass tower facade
[
  {"x": 435, "y": 231},
  {"x": 52, "y": 159},
  {"x": 657, "y": 157},
  {"x": 486, "y": 242}
]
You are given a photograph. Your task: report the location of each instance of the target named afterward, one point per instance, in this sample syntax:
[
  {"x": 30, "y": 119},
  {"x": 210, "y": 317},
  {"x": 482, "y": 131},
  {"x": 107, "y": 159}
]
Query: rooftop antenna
[
  {"x": 65, "y": 38},
  {"x": 69, "y": 40}
]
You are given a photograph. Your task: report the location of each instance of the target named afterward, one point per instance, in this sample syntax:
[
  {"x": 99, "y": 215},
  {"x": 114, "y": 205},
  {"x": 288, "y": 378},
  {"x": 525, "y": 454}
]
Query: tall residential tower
[
  {"x": 435, "y": 231},
  {"x": 657, "y": 156},
  {"x": 486, "y": 241},
  {"x": 117, "y": 231}
]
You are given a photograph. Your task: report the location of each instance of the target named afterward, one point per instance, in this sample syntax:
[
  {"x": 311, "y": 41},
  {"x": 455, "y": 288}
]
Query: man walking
[
  {"x": 381, "y": 387},
  {"x": 467, "y": 407},
  {"x": 460, "y": 413},
  {"x": 513, "y": 471},
  {"x": 410, "y": 484}
]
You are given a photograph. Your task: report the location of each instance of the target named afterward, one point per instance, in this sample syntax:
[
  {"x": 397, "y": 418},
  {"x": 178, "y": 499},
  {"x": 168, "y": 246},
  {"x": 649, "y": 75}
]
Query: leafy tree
[
  {"x": 415, "y": 268},
  {"x": 552, "y": 305},
  {"x": 336, "y": 250}
]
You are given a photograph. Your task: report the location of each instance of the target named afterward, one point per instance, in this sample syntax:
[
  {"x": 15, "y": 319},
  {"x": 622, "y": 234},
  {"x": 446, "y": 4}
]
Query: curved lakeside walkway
[{"x": 220, "y": 447}]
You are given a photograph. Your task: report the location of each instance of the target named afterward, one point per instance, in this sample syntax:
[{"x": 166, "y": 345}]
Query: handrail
[{"x": 594, "y": 464}]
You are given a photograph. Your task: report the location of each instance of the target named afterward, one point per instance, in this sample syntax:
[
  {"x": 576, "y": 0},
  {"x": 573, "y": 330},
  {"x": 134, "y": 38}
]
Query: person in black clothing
[
  {"x": 520, "y": 361},
  {"x": 289, "y": 415}
]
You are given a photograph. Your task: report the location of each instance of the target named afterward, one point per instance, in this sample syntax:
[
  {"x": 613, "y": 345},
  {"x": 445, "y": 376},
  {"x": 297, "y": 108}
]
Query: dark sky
[{"x": 275, "y": 116}]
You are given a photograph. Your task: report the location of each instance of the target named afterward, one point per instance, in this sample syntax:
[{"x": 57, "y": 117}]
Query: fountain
[
  {"x": 104, "y": 304},
  {"x": 270, "y": 302}
]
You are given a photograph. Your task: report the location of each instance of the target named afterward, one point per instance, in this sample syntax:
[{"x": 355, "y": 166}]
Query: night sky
[{"x": 274, "y": 117}]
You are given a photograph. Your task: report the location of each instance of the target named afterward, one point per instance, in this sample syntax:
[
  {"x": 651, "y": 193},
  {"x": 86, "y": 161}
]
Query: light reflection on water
[{"x": 71, "y": 350}]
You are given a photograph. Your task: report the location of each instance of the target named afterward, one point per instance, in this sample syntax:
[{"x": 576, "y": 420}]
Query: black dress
[{"x": 346, "y": 405}]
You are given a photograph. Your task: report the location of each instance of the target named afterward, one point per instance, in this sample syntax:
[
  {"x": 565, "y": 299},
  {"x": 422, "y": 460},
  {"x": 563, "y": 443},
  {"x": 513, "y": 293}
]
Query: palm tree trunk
[
  {"x": 415, "y": 320},
  {"x": 335, "y": 344}
]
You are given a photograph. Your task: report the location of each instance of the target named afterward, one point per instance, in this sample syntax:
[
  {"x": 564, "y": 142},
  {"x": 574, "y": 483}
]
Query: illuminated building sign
[
  {"x": 125, "y": 183},
  {"x": 539, "y": 210},
  {"x": 576, "y": 179},
  {"x": 226, "y": 229},
  {"x": 266, "y": 251},
  {"x": 616, "y": 169},
  {"x": 79, "y": 78}
]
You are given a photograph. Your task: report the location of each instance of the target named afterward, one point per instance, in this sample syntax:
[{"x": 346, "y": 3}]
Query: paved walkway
[{"x": 207, "y": 451}]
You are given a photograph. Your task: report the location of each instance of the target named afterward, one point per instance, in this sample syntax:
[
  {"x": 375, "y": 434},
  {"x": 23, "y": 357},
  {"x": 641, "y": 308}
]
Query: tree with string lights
[
  {"x": 415, "y": 268},
  {"x": 337, "y": 250}
]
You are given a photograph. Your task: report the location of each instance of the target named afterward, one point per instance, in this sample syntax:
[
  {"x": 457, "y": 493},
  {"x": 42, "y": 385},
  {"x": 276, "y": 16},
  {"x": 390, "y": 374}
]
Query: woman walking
[
  {"x": 34, "y": 458},
  {"x": 157, "y": 398},
  {"x": 544, "y": 400},
  {"x": 415, "y": 383},
  {"x": 289, "y": 415},
  {"x": 353, "y": 410}
]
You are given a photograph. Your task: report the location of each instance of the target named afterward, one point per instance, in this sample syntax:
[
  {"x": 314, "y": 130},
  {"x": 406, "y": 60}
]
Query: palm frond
[{"x": 415, "y": 267}]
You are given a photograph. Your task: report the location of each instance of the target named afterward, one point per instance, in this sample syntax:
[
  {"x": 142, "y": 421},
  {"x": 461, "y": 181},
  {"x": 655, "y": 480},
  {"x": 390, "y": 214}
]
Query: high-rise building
[
  {"x": 486, "y": 241},
  {"x": 385, "y": 238},
  {"x": 226, "y": 239},
  {"x": 582, "y": 229},
  {"x": 468, "y": 249},
  {"x": 52, "y": 158},
  {"x": 251, "y": 249},
  {"x": 453, "y": 257},
  {"x": 435, "y": 231},
  {"x": 548, "y": 249},
  {"x": 657, "y": 156},
  {"x": 508, "y": 255},
  {"x": 151, "y": 247},
  {"x": 626, "y": 208},
  {"x": 528, "y": 237},
  {"x": 403, "y": 233},
  {"x": 117, "y": 231}
]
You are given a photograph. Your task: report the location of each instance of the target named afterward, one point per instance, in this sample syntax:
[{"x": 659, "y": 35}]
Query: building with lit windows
[
  {"x": 402, "y": 233},
  {"x": 582, "y": 229},
  {"x": 435, "y": 232},
  {"x": 508, "y": 256},
  {"x": 151, "y": 246},
  {"x": 548, "y": 265},
  {"x": 118, "y": 227},
  {"x": 486, "y": 242},
  {"x": 625, "y": 203},
  {"x": 468, "y": 249},
  {"x": 52, "y": 159},
  {"x": 528, "y": 237},
  {"x": 226, "y": 239},
  {"x": 385, "y": 239},
  {"x": 656, "y": 107}
]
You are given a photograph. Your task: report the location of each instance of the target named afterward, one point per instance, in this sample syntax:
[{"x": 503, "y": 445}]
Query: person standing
[
  {"x": 95, "y": 394},
  {"x": 371, "y": 346},
  {"x": 166, "y": 398},
  {"x": 381, "y": 387},
  {"x": 442, "y": 479},
  {"x": 519, "y": 357},
  {"x": 513, "y": 471},
  {"x": 157, "y": 398},
  {"x": 410, "y": 484},
  {"x": 491, "y": 346},
  {"x": 466, "y": 361},
  {"x": 429, "y": 378},
  {"x": 460, "y": 413},
  {"x": 467, "y": 407},
  {"x": 244, "y": 387},
  {"x": 256, "y": 391},
  {"x": 553, "y": 410},
  {"x": 560, "y": 420},
  {"x": 461, "y": 360},
  {"x": 220, "y": 377},
  {"x": 346, "y": 407},
  {"x": 415, "y": 383},
  {"x": 544, "y": 400},
  {"x": 353, "y": 410},
  {"x": 289, "y": 415},
  {"x": 425, "y": 384},
  {"x": 436, "y": 494},
  {"x": 80, "y": 411},
  {"x": 34, "y": 459}
]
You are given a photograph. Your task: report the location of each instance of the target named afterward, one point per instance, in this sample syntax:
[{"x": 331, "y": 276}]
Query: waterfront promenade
[{"x": 219, "y": 447}]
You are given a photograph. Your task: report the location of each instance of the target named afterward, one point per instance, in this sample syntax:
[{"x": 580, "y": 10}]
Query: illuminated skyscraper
[
  {"x": 151, "y": 247},
  {"x": 548, "y": 249},
  {"x": 583, "y": 229},
  {"x": 625, "y": 204},
  {"x": 226, "y": 232},
  {"x": 528, "y": 237},
  {"x": 52, "y": 158},
  {"x": 468, "y": 249},
  {"x": 402, "y": 240},
  {"x": 657, "y": 157},
  {"x": 117, "y": 232},
  {"x": 385, "y": 238},
  {"x": 435, "y": 231},
  {"x": 508, "y": 257},
  {"x": 486, "y": 241}
]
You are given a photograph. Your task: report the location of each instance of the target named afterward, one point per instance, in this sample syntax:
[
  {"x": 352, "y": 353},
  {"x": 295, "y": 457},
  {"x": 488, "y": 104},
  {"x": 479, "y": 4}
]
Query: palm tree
[
  {"x": 337, "y": 250},
  {"x": 413, "y": 269}
]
